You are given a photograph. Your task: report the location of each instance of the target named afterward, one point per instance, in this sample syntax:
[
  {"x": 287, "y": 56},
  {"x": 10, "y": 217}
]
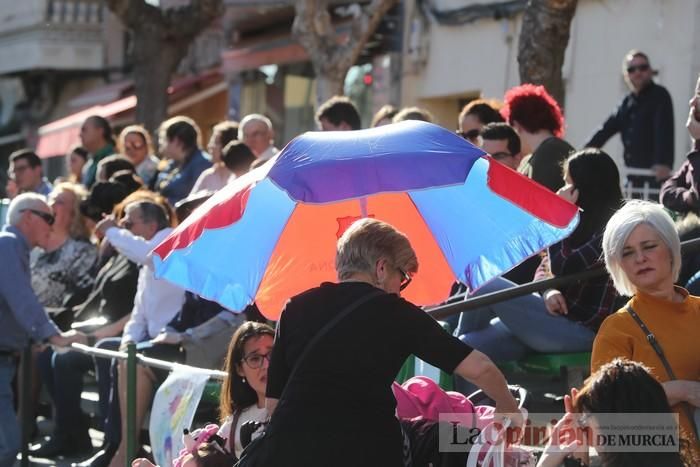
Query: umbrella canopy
[{"x": 272, "y": 233}]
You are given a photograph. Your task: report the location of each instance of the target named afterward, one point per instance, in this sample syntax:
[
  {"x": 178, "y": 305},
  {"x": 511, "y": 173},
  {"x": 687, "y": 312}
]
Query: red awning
[{"x": 56, "y": 138}]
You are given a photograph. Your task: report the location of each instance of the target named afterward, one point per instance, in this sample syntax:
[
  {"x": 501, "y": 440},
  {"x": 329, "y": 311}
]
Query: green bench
[{"x": 572, "y": 368}]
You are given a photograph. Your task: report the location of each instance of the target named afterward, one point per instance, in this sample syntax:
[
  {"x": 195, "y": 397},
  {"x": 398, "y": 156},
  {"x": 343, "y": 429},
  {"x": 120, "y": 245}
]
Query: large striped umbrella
[{"x": 272, "y": 233}]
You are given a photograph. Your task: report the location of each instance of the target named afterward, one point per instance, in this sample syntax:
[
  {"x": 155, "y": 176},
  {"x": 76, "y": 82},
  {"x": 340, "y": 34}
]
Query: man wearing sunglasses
[
  {"x": 22, "y": 316},
  {"x": 644, "y": 120}
]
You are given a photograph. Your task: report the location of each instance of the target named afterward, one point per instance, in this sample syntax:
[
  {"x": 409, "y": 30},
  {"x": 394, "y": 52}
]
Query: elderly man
[
  {"x": 145, "y": 224},
  {"x": 27, "y": 173},
  {"x": 644, "y": 120},
  {"x": 256, "y": 132},
  {"x": 22, "y": 316}
]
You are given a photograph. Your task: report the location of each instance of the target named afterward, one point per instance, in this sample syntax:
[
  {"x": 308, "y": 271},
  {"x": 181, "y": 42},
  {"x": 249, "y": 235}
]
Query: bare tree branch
[{"x": 331, "y": 60}]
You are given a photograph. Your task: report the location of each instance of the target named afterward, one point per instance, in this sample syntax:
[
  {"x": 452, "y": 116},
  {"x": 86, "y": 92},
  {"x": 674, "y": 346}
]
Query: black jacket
[{"x": 645, "y": 123}]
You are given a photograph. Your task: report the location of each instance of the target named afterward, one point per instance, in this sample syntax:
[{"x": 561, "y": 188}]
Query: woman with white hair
[
  {"x": 643, "y": 256},
  {"x": 337, "y": 407}
]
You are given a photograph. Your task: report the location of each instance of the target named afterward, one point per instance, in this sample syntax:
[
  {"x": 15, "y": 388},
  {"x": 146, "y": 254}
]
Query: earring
[{"x": 244, "y": 380}]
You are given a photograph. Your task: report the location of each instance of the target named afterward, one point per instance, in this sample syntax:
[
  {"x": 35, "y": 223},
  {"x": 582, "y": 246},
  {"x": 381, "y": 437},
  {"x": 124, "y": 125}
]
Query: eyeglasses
[
  {"x": 501, "y": 155},
  {"x": 470, "y": 135},
  {"x": 255, "y": 360},
  {"x": 632, "y": 68},
  {"x": 48, "y": 218},
  {"x": 405, "y": 280}
]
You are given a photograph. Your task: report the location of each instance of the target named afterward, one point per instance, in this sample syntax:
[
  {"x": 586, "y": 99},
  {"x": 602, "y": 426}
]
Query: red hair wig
[{"x": 534, "y": 109}]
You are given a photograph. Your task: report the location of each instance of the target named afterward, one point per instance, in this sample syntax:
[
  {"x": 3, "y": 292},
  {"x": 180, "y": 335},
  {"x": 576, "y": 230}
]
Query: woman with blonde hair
[
  {"x": 62, "y": 273},
  {"x": 338, "y": 348}
]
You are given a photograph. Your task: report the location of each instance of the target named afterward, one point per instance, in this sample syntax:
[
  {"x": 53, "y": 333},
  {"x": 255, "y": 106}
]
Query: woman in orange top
[{"x": 642, "y": 254}]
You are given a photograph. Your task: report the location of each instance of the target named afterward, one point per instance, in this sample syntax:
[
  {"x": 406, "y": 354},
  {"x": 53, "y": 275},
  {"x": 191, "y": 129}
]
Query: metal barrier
[{"x": 132, "y": 358}]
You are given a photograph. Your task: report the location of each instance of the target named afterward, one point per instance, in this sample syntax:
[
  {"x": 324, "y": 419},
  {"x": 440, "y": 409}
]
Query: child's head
[{"x": 246, "y": 366}]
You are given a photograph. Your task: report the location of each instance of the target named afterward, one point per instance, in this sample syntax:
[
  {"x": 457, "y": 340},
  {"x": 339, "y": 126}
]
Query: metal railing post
[
  {"x": 25, "y": 401},
  {"x": 131, "y": 428}
]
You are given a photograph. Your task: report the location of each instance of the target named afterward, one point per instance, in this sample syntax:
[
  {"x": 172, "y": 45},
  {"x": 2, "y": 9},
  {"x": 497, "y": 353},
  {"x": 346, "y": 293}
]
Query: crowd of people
[{"x": 76, "y": 268}]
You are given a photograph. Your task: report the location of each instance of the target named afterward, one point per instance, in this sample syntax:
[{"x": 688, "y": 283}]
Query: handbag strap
[
  {"x": 651, "y": 338},
  {"x": 323, "y": 331},
  {"x": 660, "y": 352}
]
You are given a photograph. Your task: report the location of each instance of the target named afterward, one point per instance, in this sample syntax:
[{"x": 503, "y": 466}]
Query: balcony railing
[{"x": 74, "y": 11}]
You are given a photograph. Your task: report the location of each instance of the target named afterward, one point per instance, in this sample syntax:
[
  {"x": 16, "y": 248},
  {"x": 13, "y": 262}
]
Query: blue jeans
[
  {"x": 107, "y": 387},
  {"x": 63, "y": 375},
  {"x": 9, "y": 427},
  {"x": 511, "y": 329}
]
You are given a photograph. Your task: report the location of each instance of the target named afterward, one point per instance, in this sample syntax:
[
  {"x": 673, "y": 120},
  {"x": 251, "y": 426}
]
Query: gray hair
[
  {"x": 151, "y": 212},
  {"x": 368, "y": 240},
  {"x": 253, "y": 118},
  {"x": 618, "y": 230},
  {"x": 23, "y": 202}
]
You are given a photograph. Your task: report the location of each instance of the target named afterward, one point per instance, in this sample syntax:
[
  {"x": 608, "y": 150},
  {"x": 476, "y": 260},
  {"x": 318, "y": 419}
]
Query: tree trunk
[
  {"x": 329, "y": 84},
  {"x": 160, "y": 41},
  {"x": 332, "y": 59},
  {"x": 152, "y": 76},
  {"x": 543, "y": 40}
]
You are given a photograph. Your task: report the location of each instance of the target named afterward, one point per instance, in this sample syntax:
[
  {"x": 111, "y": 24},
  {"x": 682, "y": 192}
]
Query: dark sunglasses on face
[
  {"x": 632, "y": 68},
  {"x": 470, "y": 135},
  {"x": 48, "y": 218},
  {"x": 134, "y": 145},
  {"x": 405, "y": 280}
]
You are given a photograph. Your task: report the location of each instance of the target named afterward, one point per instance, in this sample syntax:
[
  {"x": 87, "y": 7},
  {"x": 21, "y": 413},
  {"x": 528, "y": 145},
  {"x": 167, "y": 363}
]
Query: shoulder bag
[
  {"x": 253, "y": 454},
  {"x": 660, "y": 352}
]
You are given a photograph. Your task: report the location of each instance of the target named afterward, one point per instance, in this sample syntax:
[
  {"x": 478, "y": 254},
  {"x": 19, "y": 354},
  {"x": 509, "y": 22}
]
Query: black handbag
[
  {"x": 253, "y": 454},
  {"x": 651, "y": 338}
]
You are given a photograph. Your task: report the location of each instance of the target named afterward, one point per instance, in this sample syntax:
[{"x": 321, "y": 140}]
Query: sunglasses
[
  {"x": 134, "y": 145},
  {"x": 406, "y": 279},
  {"x": 48, "y": 218},
  {"x": 470, "y": 135},
  {"x": 632, "y": 68}
]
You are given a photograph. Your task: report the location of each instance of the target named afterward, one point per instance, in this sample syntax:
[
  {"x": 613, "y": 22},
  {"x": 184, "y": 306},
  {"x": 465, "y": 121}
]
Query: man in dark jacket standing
[{"x": 644, "y": 120}]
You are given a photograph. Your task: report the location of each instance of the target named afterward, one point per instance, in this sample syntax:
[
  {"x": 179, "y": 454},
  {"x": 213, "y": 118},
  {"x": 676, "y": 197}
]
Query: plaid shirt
[{"x": 589, "y": 301}]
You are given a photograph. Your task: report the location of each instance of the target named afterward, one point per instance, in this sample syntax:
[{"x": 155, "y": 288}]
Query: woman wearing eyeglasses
[
  {"x": 135, "y": 143},
  {"x": 337, "y": 408},
  {"x": 243, "y": 392}
]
